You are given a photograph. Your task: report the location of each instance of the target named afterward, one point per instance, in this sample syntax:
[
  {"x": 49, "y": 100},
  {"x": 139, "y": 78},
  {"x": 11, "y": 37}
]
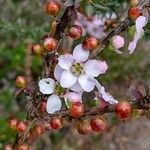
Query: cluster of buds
[{"x": 74, "y": 74}]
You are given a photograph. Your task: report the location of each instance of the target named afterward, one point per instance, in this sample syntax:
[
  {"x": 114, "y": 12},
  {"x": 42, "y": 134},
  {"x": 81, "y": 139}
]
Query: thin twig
[{"x": 116, "y": 31}]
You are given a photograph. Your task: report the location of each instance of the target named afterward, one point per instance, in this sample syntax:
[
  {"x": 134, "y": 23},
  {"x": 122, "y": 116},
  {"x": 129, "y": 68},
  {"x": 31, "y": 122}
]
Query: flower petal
[
  {"x": 72, "y": 97},
  {"x": 53, "y": 104},
  {"x": 46, "y": 85},
  {"x": 105, "y": 95},
  {"x": 140, "y": 23},
  {"x": 80, "y": 54},
  {"x": 65, "y": 61},
  {"x": 76, "y": 87},
  {"x": 57, "y": 72},
  {"x": 67, "y": 79},
  {"x": 132, "y": 46},
  {"x": 94, "y": 67},
  {"x": 86, "y": 83}
]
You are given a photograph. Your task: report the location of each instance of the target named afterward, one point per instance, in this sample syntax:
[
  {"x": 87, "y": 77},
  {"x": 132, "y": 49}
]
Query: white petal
[
  {"x": 46, "y": 85},
  {"x": 105, "y": 95},
  {"x": 80, "y": 54},
  {"x": 65, "y": 61},
  {"x": 132, "y": 46},
  {"x": 94, "y": 67},
  {"x": 76, "y": 87},
  {"x": 53, "y": 104},
  {"x": 86, "y": 83},
  {"x": 67, "y": 79},
  {"x": 57, "y": 72},
  {"x": 73, "y": 96},
  {"x": 140, "y": 23}
]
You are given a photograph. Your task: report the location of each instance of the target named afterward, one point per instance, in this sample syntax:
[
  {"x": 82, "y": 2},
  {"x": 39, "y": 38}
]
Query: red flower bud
[
  {"x": 52, "y": 7},
  {"x": 90, "y": 43},
  {"x": 123, "y": 110},
  {"x": 75, "y": 32}
]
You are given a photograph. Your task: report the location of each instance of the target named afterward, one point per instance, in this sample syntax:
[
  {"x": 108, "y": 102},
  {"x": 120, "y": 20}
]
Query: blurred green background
[{"x": 23, "y": 22}]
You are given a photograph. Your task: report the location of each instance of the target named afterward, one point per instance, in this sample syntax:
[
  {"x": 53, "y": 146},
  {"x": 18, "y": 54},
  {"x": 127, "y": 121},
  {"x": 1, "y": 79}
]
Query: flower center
[
  {"x": 59, "y": 90},
  {"x": 77, "y": 69}
]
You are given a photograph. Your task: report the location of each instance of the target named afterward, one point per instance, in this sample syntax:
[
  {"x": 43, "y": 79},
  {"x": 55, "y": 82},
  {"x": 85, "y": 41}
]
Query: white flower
[
  {"x": 105, "y": 95},
  {"x": 47, "y": 86},
  {"x": 139, "y": 24},
  {"x": 72, "y": 71}
]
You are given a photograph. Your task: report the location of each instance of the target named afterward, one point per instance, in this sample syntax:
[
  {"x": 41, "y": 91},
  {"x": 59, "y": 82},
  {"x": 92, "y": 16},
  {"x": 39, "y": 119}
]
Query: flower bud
[
  {"x": 37, "y": 49},
  {"x": 13, "y": 123},
  {"x": 23, "y": 147},
  {"x": 76, "y": 109},
  {"x": 123, "y": 110},
  {"x": 98, "y": 124},
  {"x": 90, "y": 43},
  {"x": 21, "y": 126},
  {"x": 56, "y": 123},
  {"x": 52, "y": 7},
  {"x": 20, "y": 81},
  {"x": 117, "y": 42},
  {"x": 50, "y": 44},
  {"x": 134, "y": 13},
  {"x": 75, "y": 32}
]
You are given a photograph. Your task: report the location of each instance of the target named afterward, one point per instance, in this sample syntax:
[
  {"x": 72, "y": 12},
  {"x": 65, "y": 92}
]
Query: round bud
[
  {"x": 90, "y": 43},
  {"x": 84, "y": 127},
  {"x": 134, "y": 2},
  {"x": 52, "y": 7},
  {"x": 117, "y": 41},
  {"x": 21, "y": 126},
  {"x": 56, "y": 123},
  {"x": 43, "y": 106},
  {"x": 23, "y": 147},
  {"x": 8, "y": 147},
  {"x": 75, "y": 32},
  {"x": 134, "y": 13},
  {"x": 123, "y": 110},
  {"x": 50, "y": 44},
  {"x": 13, "y": 123},
  {"x": 20, "y": 82},
  {"x": 76, "y": 110},
  {"x": 98, "y": 124},
  {"x": 37, "y": 49}
]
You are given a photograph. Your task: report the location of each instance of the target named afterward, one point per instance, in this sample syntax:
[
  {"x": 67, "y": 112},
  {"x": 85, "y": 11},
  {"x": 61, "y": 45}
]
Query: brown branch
[
  {"x": 64, "y": 21},
  {"x": 136, "y": 104},
  {"x": 116, "y": 31}
]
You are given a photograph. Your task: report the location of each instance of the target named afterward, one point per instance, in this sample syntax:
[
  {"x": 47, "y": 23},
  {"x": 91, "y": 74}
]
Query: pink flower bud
[{"x": 117, "y": 42}]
